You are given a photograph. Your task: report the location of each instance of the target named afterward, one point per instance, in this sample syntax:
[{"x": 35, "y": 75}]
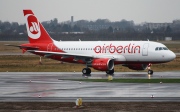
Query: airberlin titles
[{"x": 131, "y": 48}]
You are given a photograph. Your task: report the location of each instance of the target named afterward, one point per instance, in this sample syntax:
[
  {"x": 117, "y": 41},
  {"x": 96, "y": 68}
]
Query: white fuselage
[{"x": 128, "y": 51}]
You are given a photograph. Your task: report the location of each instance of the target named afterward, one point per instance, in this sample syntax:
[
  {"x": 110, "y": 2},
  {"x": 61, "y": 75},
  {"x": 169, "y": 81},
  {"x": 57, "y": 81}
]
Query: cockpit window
[
  {"x": 165, "y": 48},
  {"x": 161, "y": 48}
]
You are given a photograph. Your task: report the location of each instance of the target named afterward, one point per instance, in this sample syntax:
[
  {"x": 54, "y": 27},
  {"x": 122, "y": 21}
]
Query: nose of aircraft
[{"x": 171, "y": 55}]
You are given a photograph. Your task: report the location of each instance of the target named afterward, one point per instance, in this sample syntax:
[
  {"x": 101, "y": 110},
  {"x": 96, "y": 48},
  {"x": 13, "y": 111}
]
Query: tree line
[{"x": 101, "y": 29}]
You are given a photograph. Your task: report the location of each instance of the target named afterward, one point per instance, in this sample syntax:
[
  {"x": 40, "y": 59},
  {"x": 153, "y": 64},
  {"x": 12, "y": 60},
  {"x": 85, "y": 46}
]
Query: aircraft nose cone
[{"x": 172, "y": 55}]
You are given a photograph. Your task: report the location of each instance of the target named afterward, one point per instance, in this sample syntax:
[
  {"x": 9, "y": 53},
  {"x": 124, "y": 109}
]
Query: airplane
[{"x": 100, "y": 55}]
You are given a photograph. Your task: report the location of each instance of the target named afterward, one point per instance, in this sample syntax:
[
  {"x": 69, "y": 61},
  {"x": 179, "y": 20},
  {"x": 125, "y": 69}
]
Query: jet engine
[{"x": 102, "y": 64}]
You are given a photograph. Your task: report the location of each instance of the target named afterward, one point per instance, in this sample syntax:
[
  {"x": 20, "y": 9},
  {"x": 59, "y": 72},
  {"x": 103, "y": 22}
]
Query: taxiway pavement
[{"x": 51, "y": 86}]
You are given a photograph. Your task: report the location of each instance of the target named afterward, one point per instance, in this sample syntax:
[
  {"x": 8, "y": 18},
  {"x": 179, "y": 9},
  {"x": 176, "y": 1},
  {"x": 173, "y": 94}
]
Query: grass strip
[{"x": 132, "y": 80}]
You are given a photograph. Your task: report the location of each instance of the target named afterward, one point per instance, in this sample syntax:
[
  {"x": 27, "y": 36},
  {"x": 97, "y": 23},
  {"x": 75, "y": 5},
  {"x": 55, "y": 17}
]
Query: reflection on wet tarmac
[{"x": 52, "y": 84}]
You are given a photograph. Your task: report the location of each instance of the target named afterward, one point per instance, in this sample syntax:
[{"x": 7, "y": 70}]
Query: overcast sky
[{"x": 114, "y": 10}]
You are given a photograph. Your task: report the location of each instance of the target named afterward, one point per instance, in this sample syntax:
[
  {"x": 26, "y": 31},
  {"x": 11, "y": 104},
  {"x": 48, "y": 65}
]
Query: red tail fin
[{"x": 36, "y": 32}]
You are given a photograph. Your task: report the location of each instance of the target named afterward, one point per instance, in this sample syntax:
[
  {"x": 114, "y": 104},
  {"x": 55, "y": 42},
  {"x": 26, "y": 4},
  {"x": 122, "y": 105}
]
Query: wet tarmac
[{"x": 52, "y": 86}]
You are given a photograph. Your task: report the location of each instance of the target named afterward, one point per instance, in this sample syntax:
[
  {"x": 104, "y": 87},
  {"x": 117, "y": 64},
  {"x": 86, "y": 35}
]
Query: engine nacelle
[
  {"x": 136, "y": 66},
  {"x": 103, "y": 64}
]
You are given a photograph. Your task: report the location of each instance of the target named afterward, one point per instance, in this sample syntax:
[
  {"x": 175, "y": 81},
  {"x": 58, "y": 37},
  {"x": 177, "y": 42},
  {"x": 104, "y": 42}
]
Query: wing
[{"x": 76, "y": 55}]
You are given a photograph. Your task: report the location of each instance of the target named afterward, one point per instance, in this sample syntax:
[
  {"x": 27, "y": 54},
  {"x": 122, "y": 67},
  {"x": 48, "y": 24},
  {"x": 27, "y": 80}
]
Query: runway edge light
[
  {"x": 110, "y": 77},
  {"x": 79, "y": 103},
  {"x": 152, "y": 96}
]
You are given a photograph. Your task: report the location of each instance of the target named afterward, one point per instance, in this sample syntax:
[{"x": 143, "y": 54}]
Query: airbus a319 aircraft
[{"x": 100, "y": 55}]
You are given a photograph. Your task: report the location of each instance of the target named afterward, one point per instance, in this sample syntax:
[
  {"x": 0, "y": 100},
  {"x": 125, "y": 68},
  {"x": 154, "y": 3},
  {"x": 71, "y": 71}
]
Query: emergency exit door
[{"x": 145, "y": 49}]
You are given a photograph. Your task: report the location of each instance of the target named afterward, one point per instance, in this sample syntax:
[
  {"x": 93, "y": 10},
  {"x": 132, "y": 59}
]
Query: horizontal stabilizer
[
  {"x": 23, "y": 47},
  {"x": 12, "y": 45}
]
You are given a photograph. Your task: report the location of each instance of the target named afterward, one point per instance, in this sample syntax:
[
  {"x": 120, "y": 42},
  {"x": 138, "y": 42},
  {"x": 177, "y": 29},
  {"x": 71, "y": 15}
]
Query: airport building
[{"x": 157, "y": 25}]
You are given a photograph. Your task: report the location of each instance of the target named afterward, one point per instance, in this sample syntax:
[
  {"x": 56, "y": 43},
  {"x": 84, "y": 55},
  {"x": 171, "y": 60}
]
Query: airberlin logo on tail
[{"x": 33, "y": 27}]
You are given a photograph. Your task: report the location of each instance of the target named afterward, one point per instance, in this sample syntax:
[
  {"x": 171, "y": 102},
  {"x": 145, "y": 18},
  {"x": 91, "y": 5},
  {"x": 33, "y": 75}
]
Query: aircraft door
[
  {"x": 49, "y": 47},
  {"x": 145, "y": 49}
]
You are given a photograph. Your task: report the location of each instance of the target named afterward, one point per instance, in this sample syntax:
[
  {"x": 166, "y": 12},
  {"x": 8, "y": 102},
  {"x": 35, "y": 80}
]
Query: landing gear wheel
[
  {"x": 86, "y": 71},
  {"x": 150, "y": 72},
  {"x": 110, "y": 72}
]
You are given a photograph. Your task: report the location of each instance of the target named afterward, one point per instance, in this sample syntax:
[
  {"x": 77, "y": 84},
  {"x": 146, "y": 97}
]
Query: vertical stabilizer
[{"x": 36, "y": 32}]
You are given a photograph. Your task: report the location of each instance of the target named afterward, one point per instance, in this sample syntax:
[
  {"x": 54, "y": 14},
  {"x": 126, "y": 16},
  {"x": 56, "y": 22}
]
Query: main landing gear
[
  {"x": 86, "y": 71},
  {"x": 110, "y": 72}
]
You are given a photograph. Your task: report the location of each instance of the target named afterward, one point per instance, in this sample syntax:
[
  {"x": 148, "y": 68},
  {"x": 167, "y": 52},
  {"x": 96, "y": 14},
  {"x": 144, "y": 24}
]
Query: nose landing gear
[{"x": 150, "y": 72}]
